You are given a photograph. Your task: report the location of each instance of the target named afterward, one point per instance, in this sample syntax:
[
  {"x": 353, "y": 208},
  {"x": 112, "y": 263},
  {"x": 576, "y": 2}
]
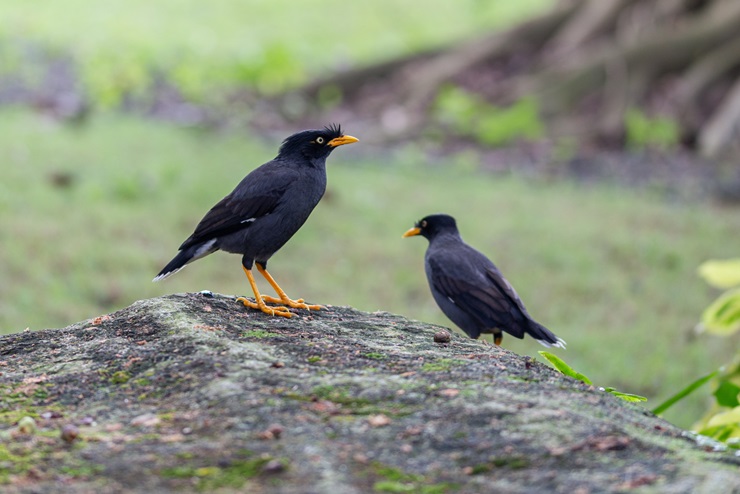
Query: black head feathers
[
  {"x": 433, "y": 225},
  {"x": 315, "y": 144}
]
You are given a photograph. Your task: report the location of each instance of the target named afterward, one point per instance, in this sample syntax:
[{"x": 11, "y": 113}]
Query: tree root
[
  {"x": 724, "y": 126},
  {"x": 605, "y": 55},
  {"x": 701, "y": 75}
]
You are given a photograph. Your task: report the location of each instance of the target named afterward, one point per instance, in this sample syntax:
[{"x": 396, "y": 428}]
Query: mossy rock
[{"x": 194, "y": 392}]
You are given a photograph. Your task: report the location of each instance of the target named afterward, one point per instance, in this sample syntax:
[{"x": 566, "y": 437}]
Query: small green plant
[
  {"x": 566, "y": 369},
  {"x": 722, "y": 317},
  {"x": 395, "y": 480},
  {"x": 643, "y": 131},
  {"x": 120, "y": 377},
  {"x": 234, "y": 475},
  {"x": 469, "y": 115}
]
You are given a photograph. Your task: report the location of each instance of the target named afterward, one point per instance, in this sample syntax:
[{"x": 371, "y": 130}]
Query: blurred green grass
[
  {"x": 206, "y": 47},
  {"x": 612, "y": 271}
]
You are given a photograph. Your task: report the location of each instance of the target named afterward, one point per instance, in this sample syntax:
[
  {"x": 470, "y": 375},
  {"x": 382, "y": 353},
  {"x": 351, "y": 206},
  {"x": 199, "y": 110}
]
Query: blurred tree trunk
[{"x": 587, "y": 62}]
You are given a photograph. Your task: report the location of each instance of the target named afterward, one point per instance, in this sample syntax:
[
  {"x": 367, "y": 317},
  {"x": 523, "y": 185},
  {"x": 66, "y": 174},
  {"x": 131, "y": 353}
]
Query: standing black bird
[
  {"x": 470, "y": 289},
  {"x": 264, "y": 211}
]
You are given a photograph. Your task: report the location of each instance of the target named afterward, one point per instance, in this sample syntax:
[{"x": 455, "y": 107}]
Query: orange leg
[
  {"x": 284, "y": 299},
  {"x": 498, "y": 338},
  {"x": 260, "y": 304}
]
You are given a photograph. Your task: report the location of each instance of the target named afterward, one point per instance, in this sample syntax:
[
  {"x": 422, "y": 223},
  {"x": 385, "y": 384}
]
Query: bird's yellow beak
[
  {"x": 341, "y": 141},
  {"x": 412, "y": 232}
]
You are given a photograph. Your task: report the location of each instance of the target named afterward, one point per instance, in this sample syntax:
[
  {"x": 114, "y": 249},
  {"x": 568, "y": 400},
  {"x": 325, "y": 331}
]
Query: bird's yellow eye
[{"x": 320, "y": 140}]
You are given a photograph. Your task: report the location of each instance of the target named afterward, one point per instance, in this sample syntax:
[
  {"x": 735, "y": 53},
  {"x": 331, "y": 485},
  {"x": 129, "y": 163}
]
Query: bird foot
[
  {"x": 260, "y": 305},
  {"x": 295, "y": 304}
]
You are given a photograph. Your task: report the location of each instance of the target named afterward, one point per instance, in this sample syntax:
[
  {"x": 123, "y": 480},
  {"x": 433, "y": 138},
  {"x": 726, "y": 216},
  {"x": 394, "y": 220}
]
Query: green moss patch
[{"x": 233, "y": 475}]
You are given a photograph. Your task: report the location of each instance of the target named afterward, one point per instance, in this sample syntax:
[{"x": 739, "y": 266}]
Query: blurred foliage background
[{"x": 118, "y": 132}]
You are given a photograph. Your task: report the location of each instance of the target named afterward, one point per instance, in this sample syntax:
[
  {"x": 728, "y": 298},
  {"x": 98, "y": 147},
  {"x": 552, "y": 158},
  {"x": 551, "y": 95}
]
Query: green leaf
[
  {"x": 727, "y": 394},
  {"x": 627, "y": 396},
  {"x": 730, "y": 418},
  {"x": 722, "y": 274},
  {"x": 721, "y": 433},
  {"x": 564, "y": 368},
  {"x": 723, "y": 315},
  {"x": 683, "y": 393}
]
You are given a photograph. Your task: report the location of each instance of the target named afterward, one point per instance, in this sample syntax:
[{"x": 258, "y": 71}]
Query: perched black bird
[
  {"x": 470, "y": 289},
  {"x": 261, "y": 214}
]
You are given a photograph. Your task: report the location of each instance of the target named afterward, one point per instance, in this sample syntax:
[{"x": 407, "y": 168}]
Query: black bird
[
  {"x": 264, "y": 211},
  {"x": 470, "y": 289}
]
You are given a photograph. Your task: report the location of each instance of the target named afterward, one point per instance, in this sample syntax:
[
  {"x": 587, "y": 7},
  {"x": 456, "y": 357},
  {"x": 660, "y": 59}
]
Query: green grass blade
[
  {"x": 683, "y": 393},
  {"x": 564, "y": 368},
  {"x": 628, "y": 396}
]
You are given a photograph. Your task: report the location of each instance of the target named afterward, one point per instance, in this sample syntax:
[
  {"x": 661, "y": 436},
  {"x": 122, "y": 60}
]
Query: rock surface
[{"x": 195, "y": 393}]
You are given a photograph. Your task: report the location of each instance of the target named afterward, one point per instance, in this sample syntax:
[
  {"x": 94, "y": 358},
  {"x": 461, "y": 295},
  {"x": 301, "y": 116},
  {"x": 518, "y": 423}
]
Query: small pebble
[
  {"x": 276, "y": 430},
  {"x": 273, "y": 466},
  {"x": 442, "y": 337},
  {"x": 145, "y": 420},
  {"x": 89, "y": 421},
  {"x": 70, "y": 432}
]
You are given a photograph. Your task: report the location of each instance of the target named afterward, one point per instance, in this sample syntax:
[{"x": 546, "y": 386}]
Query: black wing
[
  {"x": 487, "y": 297},
  {"x": 257, "y": 195}
]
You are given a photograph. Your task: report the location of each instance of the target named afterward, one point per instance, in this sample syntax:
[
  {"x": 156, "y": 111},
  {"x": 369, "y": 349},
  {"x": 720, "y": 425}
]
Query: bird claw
[
  {"x": 273, "y": 311},
  {"x": 295, "y": 304}
]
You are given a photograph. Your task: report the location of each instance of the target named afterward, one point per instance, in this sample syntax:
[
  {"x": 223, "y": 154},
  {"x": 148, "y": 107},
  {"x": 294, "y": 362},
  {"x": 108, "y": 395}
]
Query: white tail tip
[
  {"x": 559, "y": 344},
  {"x": 165, "y": 275}
]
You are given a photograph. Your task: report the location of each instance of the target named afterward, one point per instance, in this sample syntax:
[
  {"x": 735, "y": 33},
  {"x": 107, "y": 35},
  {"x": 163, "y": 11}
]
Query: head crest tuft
[{"x": 334, "y": 129}]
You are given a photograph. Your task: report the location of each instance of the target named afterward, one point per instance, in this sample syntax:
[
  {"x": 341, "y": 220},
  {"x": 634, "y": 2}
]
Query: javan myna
[
  {"x": 470, "y": 289},
  {"x": 264, "y": 211}
]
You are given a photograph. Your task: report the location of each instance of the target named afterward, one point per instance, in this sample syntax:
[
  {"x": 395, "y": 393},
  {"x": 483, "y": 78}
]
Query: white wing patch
[
  {"x": 203, "y": 250},
  {"x": 249, "y": 220}
]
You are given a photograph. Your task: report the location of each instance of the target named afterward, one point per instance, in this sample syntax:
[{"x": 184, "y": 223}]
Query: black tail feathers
[
  {"x": 185, "y": 257},
  {"x": 544, "y": 336}
]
